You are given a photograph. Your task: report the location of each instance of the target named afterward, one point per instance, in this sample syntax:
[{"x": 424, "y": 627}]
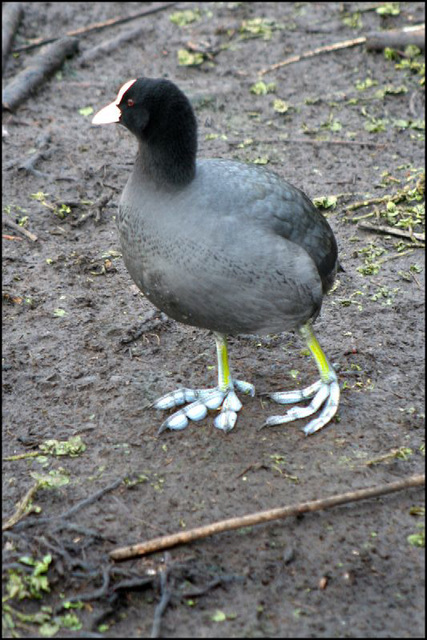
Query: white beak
[{"x": 112, "y": 113}]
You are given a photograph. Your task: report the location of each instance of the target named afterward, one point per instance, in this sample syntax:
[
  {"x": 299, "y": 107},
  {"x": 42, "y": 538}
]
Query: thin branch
[
  {"x": 410, "y": 35},
  {"x": 40, "y": 68},
  {"x": 401, "y": 254},
  {"x": 368, "y": 202},
  {"x": 90, "y": 500},
  {"x": 391, "y": 455},
  {"x": 184, "y": 537},
  {"x": 216, "y": 582},
  {"x": 7, "y": 236},
  {"x": 397, "y": 38},
  {"x": 98, "y": 593},
  {"x": 278, "y": 141},
  {"x": 12, "y": 14},
  {"x": 70, "y": 512},
  {"x": 359, "y": 143},
  {"x": 23, "y": 508},
  {"x": 96, "y": 26},
  {"x": 33, "y": 238},
  {"x": 392, "y": 231},
  {"x": 107, "y": 46},
  {"x": 166, "y": 595},
  {"x": 315, "y": 52}
]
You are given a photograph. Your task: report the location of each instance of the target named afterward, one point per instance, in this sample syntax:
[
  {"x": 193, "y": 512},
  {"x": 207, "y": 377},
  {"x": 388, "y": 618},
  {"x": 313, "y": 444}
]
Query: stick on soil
[
  {"x": 98, "y": 26},
  {"x": 107, "y": 46},
  {"x": 12, "y": 14},
  {"x": 38, "y": 71},
  {"x": 166, "y": 595},
  {"x": 33, "y": 238},
  {"x": 315, "y": 52},
  {"x": 374, "y": 40},
  {"x": 184, "y": 537},
  {"x": 392, "y": 231},
  {"x": 396, "y": 39}
]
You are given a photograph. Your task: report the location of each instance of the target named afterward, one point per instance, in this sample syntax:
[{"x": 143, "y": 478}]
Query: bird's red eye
[{"x": 130, "y": 102}]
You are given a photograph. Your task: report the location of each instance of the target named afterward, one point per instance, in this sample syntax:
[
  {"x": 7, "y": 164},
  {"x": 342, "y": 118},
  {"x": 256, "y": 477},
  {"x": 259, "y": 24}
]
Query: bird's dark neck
[
  {"x": 168, "y": 146},
  {"x": 173, "y": 165}
]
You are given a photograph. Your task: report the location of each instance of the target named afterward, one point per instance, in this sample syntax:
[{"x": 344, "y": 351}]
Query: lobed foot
[
  {"x": 200, "y": 401},
  {"x": 323, "y": 393}
]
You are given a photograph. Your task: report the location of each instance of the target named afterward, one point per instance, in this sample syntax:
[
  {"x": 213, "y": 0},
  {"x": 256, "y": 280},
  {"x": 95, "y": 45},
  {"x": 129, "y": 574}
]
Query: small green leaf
[
  {"x": 389, "y": 9},
  {"x": 259, "y": 28},
  {"x": 390, "y": 90},
  {"x": 182, "y": 18},
  {"x": 246, "y": 143},
  {"x": 70, "y": 621},
  {"x": 376, "y": 125},
  {"x": 391, "y": 54},
  {"x": 402, "y": 124},
  {"x": 53, "y": 480},
  {"x": 188, "y": 58},
  {"x": 417, "y": 539},
  {"x": 59, "y": 313},
  {"x": 40, "y": 196},
  {"x": 49, "y": 629},
  {"x": 86, "y": 111},
  {"x": 261, "y": 160},
  {"x": 353, "y": 20},
  {"x": 261, "y": 88},
  {"x": 325, "y": 202},
  {"x": 43, "y": 565},
  {"x": 73, "y": 605},
  {"x": 335, "y": 125},
  {"x": 218, "y": 616},
  {"x": 280, "y": 106},
  {"x": 28, "y": 560},
  {"x": 71, "y": 447},
  {"x": 362, "y": 85}
]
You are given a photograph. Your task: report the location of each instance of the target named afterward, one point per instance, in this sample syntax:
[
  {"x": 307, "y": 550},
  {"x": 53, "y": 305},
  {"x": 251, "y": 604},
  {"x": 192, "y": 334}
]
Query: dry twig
[
  {"x": 23, "y": 508},
  {"x": 30, "y": 164},
  {"x": 368, "y": 202},
  {"x": 37, "y": 72},
  {"x": 70, "y": 512},
  {"x": 6, "y": 236},
  {"x": 107, "y": 46},
  {"x": 166, "y": 595},
  {"x": 12, "y": 13},
  {"x": 315, "y": 52},
  {"x": 97, "y": 26},
  {"x": 398, "y": 37},
  {"x": 184, "y": 537},
  {"x": 30, "y": 236},
  {"x": 392, "y": 231},
  {"x": 358, "y": 143}
]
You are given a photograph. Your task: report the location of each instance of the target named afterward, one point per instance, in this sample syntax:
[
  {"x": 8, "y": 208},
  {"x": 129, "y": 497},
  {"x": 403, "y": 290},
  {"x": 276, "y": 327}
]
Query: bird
[{"x": 221, "y": 245}]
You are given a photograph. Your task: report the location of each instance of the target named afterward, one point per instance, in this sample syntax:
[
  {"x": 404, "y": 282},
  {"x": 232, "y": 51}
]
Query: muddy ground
[{"x": 84, "y": 354}]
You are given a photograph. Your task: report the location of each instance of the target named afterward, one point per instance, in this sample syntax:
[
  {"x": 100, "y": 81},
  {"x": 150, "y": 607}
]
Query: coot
[{"x": 221, "y": 245}]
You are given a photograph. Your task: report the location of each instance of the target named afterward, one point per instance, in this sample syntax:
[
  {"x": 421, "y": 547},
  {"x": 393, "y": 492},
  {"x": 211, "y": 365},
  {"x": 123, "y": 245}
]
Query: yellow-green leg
[
  {"x": 325, "y": 391},
  {"x": 222, "y": 397}
]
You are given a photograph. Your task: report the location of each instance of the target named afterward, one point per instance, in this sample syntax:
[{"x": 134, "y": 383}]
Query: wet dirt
[{"x": 74, "y": 366}]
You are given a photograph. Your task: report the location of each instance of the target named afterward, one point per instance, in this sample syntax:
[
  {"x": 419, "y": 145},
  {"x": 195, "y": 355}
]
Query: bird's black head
[{"x": 159, "y": 114}]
